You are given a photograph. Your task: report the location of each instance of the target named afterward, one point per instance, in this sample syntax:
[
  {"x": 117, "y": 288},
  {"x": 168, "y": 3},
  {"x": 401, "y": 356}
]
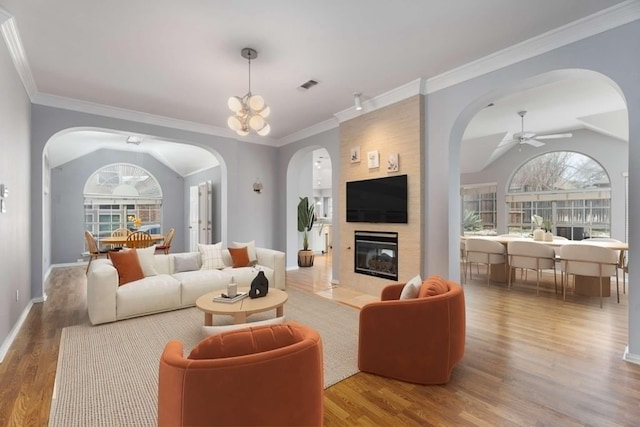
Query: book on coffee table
[{"x": 225, "y": 298}]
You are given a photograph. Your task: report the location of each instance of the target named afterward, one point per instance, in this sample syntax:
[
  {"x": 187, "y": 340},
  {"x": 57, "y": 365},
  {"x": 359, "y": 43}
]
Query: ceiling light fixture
[
  {"x": 249, "y": 110},
  {"x": 356, "y": 97}
]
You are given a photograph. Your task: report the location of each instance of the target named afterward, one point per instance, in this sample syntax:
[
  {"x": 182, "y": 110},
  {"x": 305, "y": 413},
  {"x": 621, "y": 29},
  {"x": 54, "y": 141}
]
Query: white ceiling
[{"x": 181, "y": 60}]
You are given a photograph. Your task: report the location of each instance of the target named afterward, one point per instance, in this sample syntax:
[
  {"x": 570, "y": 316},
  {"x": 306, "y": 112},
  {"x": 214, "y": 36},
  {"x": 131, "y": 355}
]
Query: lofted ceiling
[{"x": 181, "y": 60}]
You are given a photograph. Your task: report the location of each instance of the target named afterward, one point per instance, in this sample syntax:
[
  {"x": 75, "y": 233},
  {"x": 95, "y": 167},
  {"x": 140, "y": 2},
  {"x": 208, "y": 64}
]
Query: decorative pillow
[
  {"x": 251, "y": 249},
  {"x": 186, "y": 262},
  {"x": 240, "y": 257},
  {"x": 127, "y": 264},
  {"x": 246, "y": 341},
  {"x": 211, "y": 256},
  {"x": 145, "y": 257},
  {"x": 411, "y": 288},
  {"x": 208, "y": 331},
  {"x": 434, "y": 285}
]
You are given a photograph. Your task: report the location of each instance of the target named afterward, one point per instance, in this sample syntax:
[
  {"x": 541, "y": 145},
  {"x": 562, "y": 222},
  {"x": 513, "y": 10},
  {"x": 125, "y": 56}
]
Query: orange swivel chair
[
  {"x": 258, "y": 376},
  {"x": 418, "y": 340}
]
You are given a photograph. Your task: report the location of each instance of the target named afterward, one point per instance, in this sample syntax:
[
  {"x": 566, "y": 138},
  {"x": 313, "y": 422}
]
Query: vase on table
[
  {"x": 538, "y": 234},
  {"x": 548, "y": 236}
]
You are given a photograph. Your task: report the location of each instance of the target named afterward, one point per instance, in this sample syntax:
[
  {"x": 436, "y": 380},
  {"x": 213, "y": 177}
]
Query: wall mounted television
[{"x": 381, "y": 200}]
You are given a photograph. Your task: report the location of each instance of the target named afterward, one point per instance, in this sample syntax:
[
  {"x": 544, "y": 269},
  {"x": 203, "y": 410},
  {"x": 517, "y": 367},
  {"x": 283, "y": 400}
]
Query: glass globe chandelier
[{"x": 250, "y": 111}]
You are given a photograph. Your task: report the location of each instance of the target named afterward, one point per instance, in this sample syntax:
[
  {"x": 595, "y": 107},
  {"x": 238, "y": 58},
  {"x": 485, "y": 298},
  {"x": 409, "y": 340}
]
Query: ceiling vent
[{"x": 308, "y": 84}]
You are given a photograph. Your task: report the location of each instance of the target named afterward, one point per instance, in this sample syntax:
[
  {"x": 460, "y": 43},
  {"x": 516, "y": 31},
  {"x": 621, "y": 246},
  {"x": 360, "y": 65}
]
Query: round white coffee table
[{"x": 240, "y": 310}]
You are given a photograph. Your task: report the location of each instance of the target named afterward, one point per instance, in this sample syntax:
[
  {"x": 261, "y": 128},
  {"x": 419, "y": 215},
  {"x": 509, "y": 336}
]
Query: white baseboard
[
  {"x": 14, "y": 331},
  {"x": 630, "y": 357}
]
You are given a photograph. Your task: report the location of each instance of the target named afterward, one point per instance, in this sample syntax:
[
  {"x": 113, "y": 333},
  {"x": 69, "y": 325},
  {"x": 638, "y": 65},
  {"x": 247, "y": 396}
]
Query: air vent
[{"x": 309, "y": 84}]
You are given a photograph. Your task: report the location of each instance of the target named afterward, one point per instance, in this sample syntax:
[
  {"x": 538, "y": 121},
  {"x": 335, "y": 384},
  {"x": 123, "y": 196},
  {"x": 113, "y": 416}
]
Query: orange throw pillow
[
  {"x": 240, "y": 257},
  {"x": 434, "y": 285},
  {"x": 127, "y": 264}
]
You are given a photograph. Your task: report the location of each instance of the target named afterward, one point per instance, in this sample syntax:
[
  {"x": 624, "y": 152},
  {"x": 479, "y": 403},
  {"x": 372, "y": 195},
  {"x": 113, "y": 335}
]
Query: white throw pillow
[
  {"x": 208, "y": 331},
  {"x": 412, "y": 288},
  {"x": 145, "y": 257},
  {"x": 211, "y": 256},
  {"x": 251, "y": 249}
]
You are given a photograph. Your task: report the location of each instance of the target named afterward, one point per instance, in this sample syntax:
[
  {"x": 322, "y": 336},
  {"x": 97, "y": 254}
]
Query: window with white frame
[
  {"x": 569, "y": 190},
  {"x": 117, "y": 195},
  {"x": 479, "y": 209}
]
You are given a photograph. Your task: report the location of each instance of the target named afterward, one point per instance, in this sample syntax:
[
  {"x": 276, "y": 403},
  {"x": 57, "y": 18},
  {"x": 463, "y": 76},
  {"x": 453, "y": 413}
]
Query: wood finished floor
[{"x": 530, "y": 361}]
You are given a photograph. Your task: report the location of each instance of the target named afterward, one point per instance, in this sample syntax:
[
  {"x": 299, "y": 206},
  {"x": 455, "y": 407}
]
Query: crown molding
[
  {"x": 588, "y": 26},
  {"x": 14, "y": 44},
  {"x": 137, "y": 116},
  {"x": 415, "y": 87},
  {"x": 312, "y": 130}
]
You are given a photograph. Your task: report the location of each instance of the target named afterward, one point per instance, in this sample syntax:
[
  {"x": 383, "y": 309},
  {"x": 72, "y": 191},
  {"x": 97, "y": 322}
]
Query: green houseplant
[{"x": 306, "y": 219}]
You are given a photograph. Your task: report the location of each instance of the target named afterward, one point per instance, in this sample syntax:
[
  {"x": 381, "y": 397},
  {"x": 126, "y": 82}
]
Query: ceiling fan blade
[
  {"x": 533, "y": 142},
  {"x": 555, "y": 136}
]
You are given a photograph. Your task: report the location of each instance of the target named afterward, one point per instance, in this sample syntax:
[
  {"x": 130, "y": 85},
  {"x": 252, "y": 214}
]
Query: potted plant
[{"x": 306, "y": 218}]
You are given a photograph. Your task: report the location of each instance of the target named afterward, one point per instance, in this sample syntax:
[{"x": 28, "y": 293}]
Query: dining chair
[
  {"x": 139, "y": 239},
  {"x": 621, "y": 258},
  {"x": 166, "y": 244},
  {"x": 483, "y": 251},
  {"x": 463, "y": 260},
  {"x": 119, "y": 232},
  {"x": 92, "y": 246},
  {"x": 532, "y": 256},
  {"x": 588, "y": 260}
]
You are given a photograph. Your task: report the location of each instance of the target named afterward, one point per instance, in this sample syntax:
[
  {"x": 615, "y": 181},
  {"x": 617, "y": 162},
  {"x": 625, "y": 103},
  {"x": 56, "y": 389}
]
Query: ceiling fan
[{"x": 532, "y": 138}]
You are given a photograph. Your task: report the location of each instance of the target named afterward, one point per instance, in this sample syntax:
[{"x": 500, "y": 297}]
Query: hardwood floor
[{"x": 530, "y": 361}]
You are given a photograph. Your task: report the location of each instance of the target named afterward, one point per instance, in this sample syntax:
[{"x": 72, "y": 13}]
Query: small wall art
[
  {"x": 373, "y": 159},
  {"x": 355, "y": 154},
  {"x": 393, "y": 163}
]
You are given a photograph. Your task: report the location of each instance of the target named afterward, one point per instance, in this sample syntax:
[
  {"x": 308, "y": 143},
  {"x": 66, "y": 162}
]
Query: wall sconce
[{"x": 257, "y": 186}]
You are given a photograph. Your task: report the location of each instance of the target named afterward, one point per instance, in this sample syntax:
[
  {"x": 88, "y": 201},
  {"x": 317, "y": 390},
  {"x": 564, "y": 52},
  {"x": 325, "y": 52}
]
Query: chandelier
[{"x": 249, "y": 110}]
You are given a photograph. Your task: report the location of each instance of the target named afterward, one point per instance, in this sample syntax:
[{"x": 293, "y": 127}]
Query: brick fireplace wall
[{"x": 395, "y": 129}]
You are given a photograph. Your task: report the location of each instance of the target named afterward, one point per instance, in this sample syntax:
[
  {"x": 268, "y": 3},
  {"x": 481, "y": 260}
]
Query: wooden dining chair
[
  {"x": 92, "y": 246},
  {"x": 166, "y": 244},
  {"x": 139, "y": 239},
  {"x": 119, "y": 232}
]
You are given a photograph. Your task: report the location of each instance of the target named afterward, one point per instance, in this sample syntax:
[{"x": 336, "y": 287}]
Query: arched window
[
  {"x": 120, "y": 194},
  {"x": 570, "y": 191}
]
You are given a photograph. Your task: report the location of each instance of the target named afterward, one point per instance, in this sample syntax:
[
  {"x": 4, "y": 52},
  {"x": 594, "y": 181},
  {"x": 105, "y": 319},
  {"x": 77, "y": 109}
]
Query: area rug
[{"x": 107, "y": 375}]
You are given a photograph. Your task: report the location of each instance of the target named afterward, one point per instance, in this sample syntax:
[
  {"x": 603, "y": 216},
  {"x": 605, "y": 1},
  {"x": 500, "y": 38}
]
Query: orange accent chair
[
  {"x": 418, "y": 340},
  {"x": 258, "y": 376}
]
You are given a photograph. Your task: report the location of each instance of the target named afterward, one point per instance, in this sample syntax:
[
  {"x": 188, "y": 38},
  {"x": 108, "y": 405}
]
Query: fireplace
[{"x": 376, "y": 254}]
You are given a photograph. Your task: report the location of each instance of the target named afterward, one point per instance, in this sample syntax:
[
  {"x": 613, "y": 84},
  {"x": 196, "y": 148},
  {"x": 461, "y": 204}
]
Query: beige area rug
[{"x": 107, "y": 375}]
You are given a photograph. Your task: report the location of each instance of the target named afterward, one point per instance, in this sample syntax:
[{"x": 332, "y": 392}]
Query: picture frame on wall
[
  {"x": 373, "y": 159},
  {"x": 355, "y": 155},
  {"x": 393, "y": 163}
]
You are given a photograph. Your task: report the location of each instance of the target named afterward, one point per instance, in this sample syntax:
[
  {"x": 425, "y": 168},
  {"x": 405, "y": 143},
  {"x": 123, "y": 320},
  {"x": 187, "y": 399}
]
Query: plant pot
[
  {"x": 305, "y": 258},
  {"x": 548, "y": 236}
]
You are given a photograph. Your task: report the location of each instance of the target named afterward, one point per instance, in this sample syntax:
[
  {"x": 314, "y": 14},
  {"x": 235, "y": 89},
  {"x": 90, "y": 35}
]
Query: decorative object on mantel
[
  {"x": 259, "y": 286},
  {"x": 393, "y": 164},
  {"x": 306, "y": 218},
  {"x": 355, "y": 154},
  {"x": 373, "y": 159},
  {"x": 538, "y": 232},
  {"x": 257, "y": 186},
  {"x": 250, "y": 111}
]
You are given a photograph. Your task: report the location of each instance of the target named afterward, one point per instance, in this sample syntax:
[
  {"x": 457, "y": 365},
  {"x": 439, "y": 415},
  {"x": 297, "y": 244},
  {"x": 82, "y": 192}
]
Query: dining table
[
  {"x": 122, "y": 240},
  {"x": 584, "y": 285}
]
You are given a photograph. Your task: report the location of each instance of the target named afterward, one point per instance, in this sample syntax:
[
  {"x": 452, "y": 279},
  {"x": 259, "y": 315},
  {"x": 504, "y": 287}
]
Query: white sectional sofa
[{"x": 168, "y": 289}]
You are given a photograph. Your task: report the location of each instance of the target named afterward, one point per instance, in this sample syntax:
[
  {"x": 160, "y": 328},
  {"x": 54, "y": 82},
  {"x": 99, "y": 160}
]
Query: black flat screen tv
[{"x": 378, "y": 200}]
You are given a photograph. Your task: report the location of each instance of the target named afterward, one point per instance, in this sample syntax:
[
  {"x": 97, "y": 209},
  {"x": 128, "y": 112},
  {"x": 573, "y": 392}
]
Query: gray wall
[
  {"x": 612, "y": 154},
  {"x": 213, "y": 175},
  {"x": 15, "y": 224},
  {"x": 244, "y": 215},
  {"x": 612, "y": 54},
  {"x": 67, "y": 200}
]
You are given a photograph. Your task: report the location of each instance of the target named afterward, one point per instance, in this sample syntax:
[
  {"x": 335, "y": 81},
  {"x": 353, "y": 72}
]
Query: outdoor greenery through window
[
  {"x": 119, "y": 195},
  {"x": 570, "y": 191},
  {"x": 479, "y": 209}
]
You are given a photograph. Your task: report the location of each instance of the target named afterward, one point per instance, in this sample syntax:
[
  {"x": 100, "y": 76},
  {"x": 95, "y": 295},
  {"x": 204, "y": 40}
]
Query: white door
[
  {"x": 205, "y": 216},
  {"x": 193, "y": 218}
]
